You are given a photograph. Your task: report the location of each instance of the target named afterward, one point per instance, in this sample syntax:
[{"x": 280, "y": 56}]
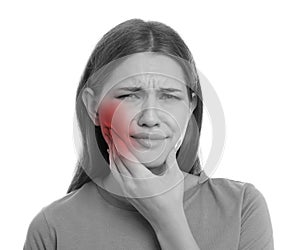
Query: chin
[
  {"x": 155, "y": 168},
  {"x": 153, "y": 158}
]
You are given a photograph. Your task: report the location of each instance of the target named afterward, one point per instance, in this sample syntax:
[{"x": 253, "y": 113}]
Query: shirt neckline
[{"x": 112, "y": 199}]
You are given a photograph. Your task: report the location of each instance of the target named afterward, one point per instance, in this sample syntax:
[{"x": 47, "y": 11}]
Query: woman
[{"x": 139, "y": 183}]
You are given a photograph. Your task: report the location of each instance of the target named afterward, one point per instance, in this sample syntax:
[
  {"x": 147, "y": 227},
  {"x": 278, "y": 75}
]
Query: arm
[
  {"x": 175, "y": 233},
  {"x": 39, "y": 236},
  {"x": 256, "y": 228}
]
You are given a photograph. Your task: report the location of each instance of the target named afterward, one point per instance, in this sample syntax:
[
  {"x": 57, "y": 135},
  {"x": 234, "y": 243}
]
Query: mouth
[
  {"x": 148, "y": 136},
  {"x": 149, "y": 141}
]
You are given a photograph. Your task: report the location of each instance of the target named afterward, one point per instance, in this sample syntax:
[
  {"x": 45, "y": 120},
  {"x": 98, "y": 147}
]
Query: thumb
[{"x": 171, "y": 161}]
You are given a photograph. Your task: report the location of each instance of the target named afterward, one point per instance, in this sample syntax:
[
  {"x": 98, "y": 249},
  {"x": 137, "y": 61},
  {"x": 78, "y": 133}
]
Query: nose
[{"x": 149, "y": 116}]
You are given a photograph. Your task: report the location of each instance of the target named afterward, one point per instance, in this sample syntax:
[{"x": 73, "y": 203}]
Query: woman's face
[{"x": 148, "y": 112}]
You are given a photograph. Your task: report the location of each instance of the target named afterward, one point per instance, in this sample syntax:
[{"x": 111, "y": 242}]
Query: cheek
[
  {"x": 106, "y": 113},
  {"x": 179, "y": 119},
  {"x": 113, "y": 115}
]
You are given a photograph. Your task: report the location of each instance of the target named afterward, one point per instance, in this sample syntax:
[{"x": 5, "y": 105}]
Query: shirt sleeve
[
  {"x": 39, "y": 235},
  {"x": 256, "y": 228}
]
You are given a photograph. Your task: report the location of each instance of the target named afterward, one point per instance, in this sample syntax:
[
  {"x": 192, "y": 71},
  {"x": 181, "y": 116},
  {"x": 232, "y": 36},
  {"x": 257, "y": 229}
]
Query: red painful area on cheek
[
  {"x": 111, "y": 117},
  {"x": 106, "y": 111}
]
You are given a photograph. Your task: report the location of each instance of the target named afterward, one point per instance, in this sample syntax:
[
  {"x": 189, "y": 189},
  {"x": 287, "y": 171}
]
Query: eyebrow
[{"x": 136, "y": 89}]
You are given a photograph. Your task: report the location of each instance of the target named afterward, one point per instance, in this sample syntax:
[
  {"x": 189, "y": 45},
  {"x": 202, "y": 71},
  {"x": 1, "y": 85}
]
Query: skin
[
  {"x": 148, "y": 110},
  {"x": 148, "y": 174},
  {"x": 127, "y": 113}
]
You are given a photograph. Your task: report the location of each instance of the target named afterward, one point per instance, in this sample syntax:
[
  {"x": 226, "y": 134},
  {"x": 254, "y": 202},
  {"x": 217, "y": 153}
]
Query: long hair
[{"x": 129, "y": 37}]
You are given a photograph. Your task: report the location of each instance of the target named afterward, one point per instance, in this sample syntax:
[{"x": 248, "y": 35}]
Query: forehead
[
  {"x": 148, "y": 62},
  {"x": 147, "y": 70},
  {"x": 149, "y": 81}
]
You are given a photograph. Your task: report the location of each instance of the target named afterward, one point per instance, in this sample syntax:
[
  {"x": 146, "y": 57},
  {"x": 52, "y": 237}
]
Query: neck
[{"x": 114, "y": 193}]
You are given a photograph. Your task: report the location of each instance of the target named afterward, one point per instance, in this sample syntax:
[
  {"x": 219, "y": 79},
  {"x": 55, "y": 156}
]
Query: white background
[{"x": 249, "y": 51}]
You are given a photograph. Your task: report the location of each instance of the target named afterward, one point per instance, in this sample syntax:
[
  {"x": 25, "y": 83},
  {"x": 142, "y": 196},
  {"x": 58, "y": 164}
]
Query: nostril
[{"x": 149, "y": 118}]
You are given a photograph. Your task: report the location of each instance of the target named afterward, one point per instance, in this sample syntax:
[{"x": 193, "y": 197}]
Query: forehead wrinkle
[{"x": 148, "y": 81}]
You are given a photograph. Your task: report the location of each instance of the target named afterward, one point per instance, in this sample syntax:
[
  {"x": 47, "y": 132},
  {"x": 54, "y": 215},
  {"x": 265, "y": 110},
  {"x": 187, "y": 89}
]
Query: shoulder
[
  {"x": 232, "y": 186},
  {"x": 66, "y": 206},
  {"x": 42, "y": 230},
  {"x": 225, "y": 188},
  {"x": 40, "y": 234},
  {"x": 248, "y": 192},
  {"x": 70, "y": 204},
  {"x": 228, "y": 191},
  {"x": 255, "y": 222}
]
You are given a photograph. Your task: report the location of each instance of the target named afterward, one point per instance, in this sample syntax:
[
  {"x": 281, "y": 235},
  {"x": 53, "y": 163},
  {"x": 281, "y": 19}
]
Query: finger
[
  {"x": 178, "y": 143},
  {"x": 107, "y": 135},
  {"x": 115, "y": 157},
  {"x": 112, "y": 152},
  {"x": 171, "y": 161},
  {"x": 114, "y": 170},
  {"x": 137, "y": 169},
  {"x": 119, "y": 164},
  {"x": 122, "y": 145},
  {"x": 122, "y": 179}
]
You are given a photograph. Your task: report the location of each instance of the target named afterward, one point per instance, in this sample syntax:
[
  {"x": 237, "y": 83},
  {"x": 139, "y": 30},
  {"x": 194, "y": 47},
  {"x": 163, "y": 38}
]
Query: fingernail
[{"x": 178, "y": 143}]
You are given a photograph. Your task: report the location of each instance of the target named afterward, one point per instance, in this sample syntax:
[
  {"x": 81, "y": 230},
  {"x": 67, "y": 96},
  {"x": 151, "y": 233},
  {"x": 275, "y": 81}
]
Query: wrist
[
  {"x": 171, "y": 220},
  {"x": 176, "y": 235}
]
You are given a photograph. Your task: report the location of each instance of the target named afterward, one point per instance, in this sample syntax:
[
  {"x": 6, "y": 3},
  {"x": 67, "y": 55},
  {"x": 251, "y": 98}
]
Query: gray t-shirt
[{"x": 222, "y": 214}]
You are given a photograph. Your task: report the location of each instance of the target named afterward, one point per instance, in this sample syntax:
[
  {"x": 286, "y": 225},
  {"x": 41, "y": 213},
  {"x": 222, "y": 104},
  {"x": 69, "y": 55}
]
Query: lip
[
  {"x": 148, "y": 143},
  {"x": 148, "y": 136}
]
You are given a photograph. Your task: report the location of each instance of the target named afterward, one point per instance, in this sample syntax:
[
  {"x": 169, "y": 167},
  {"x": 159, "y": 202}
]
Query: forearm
[{"x": 176, "y": 234}]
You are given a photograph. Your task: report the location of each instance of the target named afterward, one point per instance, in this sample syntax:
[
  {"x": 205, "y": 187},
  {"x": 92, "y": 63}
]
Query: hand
[{"x": 155, "y": 197}]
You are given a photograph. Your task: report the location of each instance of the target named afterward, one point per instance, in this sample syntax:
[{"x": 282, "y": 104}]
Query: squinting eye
[
  {"x": 134, "y": 96},
  {"x": 127, "y": 96},
  {"x": 170, "y": 96}
]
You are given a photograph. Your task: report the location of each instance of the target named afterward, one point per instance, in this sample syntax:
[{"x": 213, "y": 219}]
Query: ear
[
  {"x": 193, "y": 103},
  {"x": 89, "y": 100}
]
